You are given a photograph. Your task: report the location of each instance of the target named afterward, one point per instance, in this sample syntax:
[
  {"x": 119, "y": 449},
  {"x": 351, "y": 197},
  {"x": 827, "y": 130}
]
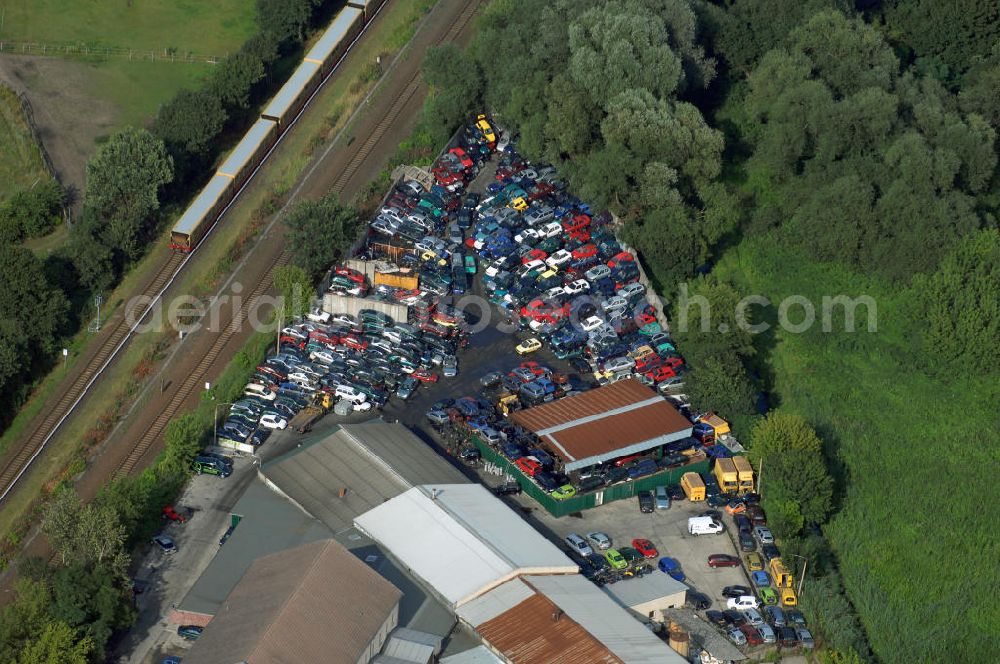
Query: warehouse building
[
  {"x": 600, "y": 425},
  {"x": 314, "y": 603},
  {"x": 648, "y": 597}
]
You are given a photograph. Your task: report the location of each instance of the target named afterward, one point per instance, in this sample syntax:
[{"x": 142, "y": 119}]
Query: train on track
[{"x": 277, "y": 116}]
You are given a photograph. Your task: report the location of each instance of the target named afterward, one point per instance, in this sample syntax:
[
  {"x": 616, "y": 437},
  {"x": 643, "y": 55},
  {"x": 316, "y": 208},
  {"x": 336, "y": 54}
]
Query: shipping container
[{"x": 407, "y": 280}]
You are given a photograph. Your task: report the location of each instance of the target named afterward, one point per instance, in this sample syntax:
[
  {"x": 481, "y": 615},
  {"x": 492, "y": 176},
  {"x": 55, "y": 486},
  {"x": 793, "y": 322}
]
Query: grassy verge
[
  {"x": 21, "y": 163},
  {"x": 327, "y": 115},
  {"x": 909, "y": 449}
]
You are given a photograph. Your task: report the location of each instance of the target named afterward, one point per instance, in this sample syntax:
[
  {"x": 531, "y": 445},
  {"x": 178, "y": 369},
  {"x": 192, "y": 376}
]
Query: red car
[
  {"x": 292, "y": 341},
  {"x": 534, "y": 255},
  {"x": 625, "y": 459},
  {"x": 660, "y": 373},
  {"x": 643, "y": 318},
  {"x": 580, "y": 235},
  {"x": 461, "y": 156},
  {"x": 645, "y": 547},
  {"x": 352, "y": 341},
  {"x": 323, "y": 338},
  {"x": 723, "y": 560},
  {"x": 753, "y": 636},
  {"x": 576, "y": 223},
  {"x": 535, "y": 368},
  {"x": 425, "y": 376},
  {"x": 353, "y": 275},
  {"x": 169, "y": 513},
  {"x": 528, "y": 466},
  {"x": 586, "y": 251},
  {"x": 673, "y": 362},
  {"x": 621, "y": 257}
]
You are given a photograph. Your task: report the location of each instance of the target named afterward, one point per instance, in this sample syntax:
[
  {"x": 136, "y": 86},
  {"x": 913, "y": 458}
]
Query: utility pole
[
  {"x": 760, "y": 476},
  {"x": 802, "y": 578}
]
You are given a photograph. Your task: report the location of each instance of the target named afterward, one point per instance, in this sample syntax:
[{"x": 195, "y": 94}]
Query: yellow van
[
  {"x": 782, "y": 577},
  {"x": 788, "y": 597}
]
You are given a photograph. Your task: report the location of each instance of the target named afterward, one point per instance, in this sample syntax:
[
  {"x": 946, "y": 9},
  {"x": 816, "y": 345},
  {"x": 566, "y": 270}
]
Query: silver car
[
  {"x": 449, "y": 366},
  {"x": 600, "y": 540}
]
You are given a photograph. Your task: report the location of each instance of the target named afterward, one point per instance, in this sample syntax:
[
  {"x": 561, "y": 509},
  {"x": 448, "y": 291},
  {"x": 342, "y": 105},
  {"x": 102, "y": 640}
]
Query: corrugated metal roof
[
  {"x": 315, "y": 603},
  {"x": 371, "y": 462},
  {"x": 463, "y": 541},
  {"x": 408, "y": 645},
  {"x": 622, "y": 418},
  {"x": 501, "y": 599},
  {"x": 338, "y": 29},
  {"x": 290, "y": 91},
  {"x": 536, "y": 631},
  {"x": 589, "y": 403},
  {"x": 603, "y": 618},
  {"x": 635, "y": 591},
  {"x": 206, "y": 198},
  {"x": 705, "y": 635},
  {"x": 477, "y": 655},
  {"x": 247, "y": 147},
  {"x": 270, "y": 524}
]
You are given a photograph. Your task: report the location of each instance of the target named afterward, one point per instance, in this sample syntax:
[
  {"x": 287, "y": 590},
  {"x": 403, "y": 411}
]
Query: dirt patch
[{"x": 70, "y": 120}]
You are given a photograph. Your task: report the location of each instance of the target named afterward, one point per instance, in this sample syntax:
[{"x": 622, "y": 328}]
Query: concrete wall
[
  {"x": 657, "y": 606},
  {"x": 345, "y": 304}
]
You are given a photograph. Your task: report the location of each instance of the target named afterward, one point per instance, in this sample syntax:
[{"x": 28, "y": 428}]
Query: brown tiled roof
[
  {"x": 314, "y": 603},
  {"x": 537, "y": 632},
  {"x": 589, "y": 403},
  {"x": 603, "y": 420}
]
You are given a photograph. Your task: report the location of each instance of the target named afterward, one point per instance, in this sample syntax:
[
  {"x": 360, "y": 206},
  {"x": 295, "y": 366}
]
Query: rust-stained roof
[
  {"x": 589, "y": 403},
  {"x": 315, "y": 603},
  {"x": 601, "y": 422},
  {"x": 536, "y": 631}
]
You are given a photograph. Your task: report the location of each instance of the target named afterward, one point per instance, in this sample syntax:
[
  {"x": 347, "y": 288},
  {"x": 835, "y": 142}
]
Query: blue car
[
  {"x": 760, "y": 579},
  {"x": 512, "y": 450},
  {"x": 542, "y": 457},
  {"x": 644, "y": 467},
  {"x": 672, "y": 567}
]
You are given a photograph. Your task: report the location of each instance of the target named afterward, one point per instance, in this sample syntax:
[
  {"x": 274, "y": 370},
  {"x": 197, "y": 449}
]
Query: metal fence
[{"x": 88, "y": 51}]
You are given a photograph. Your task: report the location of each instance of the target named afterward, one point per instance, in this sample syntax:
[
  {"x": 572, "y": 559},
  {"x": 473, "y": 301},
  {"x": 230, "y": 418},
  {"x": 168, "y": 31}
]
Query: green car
[
  {"x": 470, "y": 264},
  {"x": 615, "y": 559},
  {"x": 564, "y": 492},
  {"x": 768, "y": 596}
]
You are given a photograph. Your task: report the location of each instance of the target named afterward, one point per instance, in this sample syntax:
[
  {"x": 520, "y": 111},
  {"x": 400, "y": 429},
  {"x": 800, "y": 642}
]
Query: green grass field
[
  {"x": 919, "y": 458},
  {"x": 207, "y": 28},
  {"x": 21, "y": 162}
]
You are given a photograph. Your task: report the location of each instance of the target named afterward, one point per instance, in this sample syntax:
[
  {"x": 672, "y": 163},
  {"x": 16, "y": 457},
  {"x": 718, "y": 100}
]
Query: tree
[
  {"x": 93, "y": 599},
  {"x": 27, "y": 299},
  {"x": 235, "y": 76},
  {"x": 318, "y": 233},
  {"x": 184, "y": 437},
  {"x": 296, "y": 290},
  {"x": 457, "y": 86},
  {"x": 796, "y": 481},
  {"x": 91, "y": 256},
  {"x": 58, "y": 643},
  {"x": 960, "y": 307},
  {"x": 720, "y": 384},
  {"x": 32, "y": 212},
  {"x": 25, "y": 618},
  {"x": 190, "y": 122},
  {"x": 708, "y": 322},
  {"x": 85, "y": 534},
  {"x": 285, "y": 19},
  {"x": 123, "y": 183}
]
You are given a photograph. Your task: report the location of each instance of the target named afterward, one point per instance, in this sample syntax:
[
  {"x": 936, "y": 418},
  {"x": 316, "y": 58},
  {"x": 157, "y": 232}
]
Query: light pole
[{"x": 802, "y": 578}]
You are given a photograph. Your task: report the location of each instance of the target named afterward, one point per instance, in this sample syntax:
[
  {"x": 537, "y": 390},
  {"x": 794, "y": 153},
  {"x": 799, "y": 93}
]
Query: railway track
[
  {"x": 197, "y": 376},
  {"x": 390, "y": 118},
  {"x": 28, "y": 448}
]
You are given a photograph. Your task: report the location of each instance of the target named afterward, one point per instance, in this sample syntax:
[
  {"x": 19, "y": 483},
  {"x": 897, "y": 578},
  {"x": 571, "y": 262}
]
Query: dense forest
[{"x": 811, "y": 148}]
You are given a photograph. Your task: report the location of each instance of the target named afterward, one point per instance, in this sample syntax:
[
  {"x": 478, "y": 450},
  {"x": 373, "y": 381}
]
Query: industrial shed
[
  {"x": 599, "y": 425},
  {"x": 461, "y": 540},
  {"x": 342, "y": 475},
  {"x": 649, "y": 596},
  {"x": 314, "y": 603},
  {"x": 561, "y": 620}
]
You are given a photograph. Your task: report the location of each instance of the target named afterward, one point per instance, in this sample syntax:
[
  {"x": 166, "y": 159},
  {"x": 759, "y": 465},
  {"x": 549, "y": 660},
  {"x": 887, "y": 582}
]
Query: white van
[
  {"x": 348, "y": 393},
  {"x": 704, "y": 525}
]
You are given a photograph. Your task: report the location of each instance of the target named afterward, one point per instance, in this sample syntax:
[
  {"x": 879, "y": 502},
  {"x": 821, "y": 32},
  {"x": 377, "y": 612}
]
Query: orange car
[{"x": 736, "y": 507}]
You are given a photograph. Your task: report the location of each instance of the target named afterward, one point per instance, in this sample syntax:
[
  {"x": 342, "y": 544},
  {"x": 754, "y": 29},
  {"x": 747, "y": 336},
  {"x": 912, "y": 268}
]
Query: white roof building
[{"x": 461, "y": 540}]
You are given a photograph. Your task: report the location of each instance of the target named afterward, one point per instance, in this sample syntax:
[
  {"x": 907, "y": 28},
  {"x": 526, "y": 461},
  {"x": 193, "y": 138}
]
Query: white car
[
  {"x": 362, "y": 407},
  {"x": 324, "y": 356},
  {"x": 383, "y": 227},
  {"x": 273, "y": 421},
  {"x": 258, "y": 390},
  {"x": 525, "y": 235},
  {"x": 348, "y": 393},
  {"x": 620, "y": 363},
  {"x": 597, "y": 272},
  {"x": 743, "y": 602},
  {"x": 317, "y": 315},
  {"x": 530, "y": 265},
  {"x": 551, "y": 229},
  {"x": 296, "y": 332},
  {"x": 753, "y": 616},
  {"x": 555, "y": 293},
  {"x": 558, "y": 258},
  {"x": 577, "y": 287},
  {"x": 578, "y": 545},
  {"x": 591, "y": 323},
  {"x": 600, "y": 540},
  {"x": 344, "y": 319}
]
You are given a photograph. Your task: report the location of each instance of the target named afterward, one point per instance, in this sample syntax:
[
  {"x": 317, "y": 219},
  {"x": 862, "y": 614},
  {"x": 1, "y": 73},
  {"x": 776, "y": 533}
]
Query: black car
[
  {"x": 226, "y": 535},
  {"x": 471, "y": 455},
  {"x": 795, "y": 617},
  {"x": 613, "y": 475},
  {"x": 769, "y": 551},
  {"x": 717, "y": 618},
  {"x": 676, "y": 492},
  {"x": 747, "y": 542},
  {"x": 508, "y": 489},
  {"x": 491, "y": 379},
  {"x": 646, "y": 502},
  {"x": 736, "y": 591},
  {"x": 787, "y": 637},
  {"x": 742, "y": 523},
  {"x": 590, "y": 483},
  {"x": 698, "y": 601},
  {"x": 735, "y": 618}
]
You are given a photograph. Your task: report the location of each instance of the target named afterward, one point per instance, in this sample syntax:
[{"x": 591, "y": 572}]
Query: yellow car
[
  {"x": 431, "y": 256},
  {"x": 528, "y": 346},
  {"x": 788, "y": 597},
  {"x": 484, "y": 126},
  {"x": 519, "y": 204},
  {"x": 754, "y": 562}
]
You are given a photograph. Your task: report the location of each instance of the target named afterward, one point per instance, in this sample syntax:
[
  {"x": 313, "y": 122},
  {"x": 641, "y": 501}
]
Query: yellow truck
[
  {"x": 507, "y": 404},
  {"x": 725, "y": 473},
  {"x": 693, "y": 487},
  {"x": 744, "y": 473},
  {"x": 780, "y": 574},
  {"x": 405, "y": 279},
  {"x": 305, "y": 418}
]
